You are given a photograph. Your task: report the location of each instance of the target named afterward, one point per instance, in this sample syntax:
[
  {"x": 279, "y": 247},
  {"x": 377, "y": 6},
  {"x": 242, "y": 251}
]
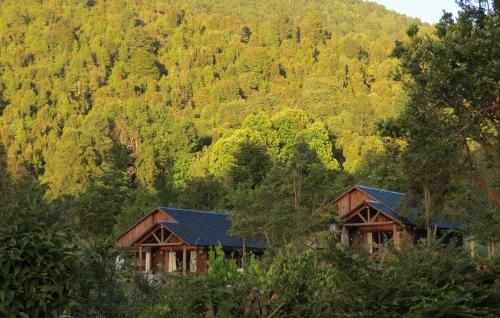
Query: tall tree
[{"x": 454, "y": 80}]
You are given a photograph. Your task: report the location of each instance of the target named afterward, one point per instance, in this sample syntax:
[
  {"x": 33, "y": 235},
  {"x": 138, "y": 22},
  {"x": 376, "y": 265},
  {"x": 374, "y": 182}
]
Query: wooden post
[
  {"x": 344, "y": 237},
  {"x": 472, "y": 248},
  {"x": 184, "y": 260},
  {"x": 140, "y": 257},
  {"x": 172, "y": 262},
  {"x": 148, "y": 261},
  {"x": 166, "y": 261},
  {"x": 369, "y": 241},
  {"x": 491, "y": 249}
]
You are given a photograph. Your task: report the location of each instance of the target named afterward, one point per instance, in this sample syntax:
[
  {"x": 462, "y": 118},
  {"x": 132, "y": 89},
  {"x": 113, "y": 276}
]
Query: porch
[
  {"x": 371, "y": 226},
  {"x": 160, "y": 250}
]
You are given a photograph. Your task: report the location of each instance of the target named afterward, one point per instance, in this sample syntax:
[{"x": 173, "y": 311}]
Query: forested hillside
[
  {"x": 267, "y": 110},
  {"x": 150, "y": 99}
]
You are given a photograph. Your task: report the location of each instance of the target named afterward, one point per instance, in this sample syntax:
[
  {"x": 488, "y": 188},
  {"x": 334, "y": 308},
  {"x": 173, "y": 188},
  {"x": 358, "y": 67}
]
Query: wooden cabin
[
  {"x": 372, "y": 217},
  {"x": 178, "y": 240}
]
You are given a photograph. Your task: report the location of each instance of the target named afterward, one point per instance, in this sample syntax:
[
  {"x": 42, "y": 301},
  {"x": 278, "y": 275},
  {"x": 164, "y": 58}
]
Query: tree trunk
[
  {"x": 482, "y": 182},
  {"x": 427, "y": 210},
  {"x": 209, "y": 309}
]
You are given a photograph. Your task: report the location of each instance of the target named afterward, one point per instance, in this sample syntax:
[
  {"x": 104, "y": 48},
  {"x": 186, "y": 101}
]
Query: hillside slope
[
  {"x": 341, "y": 17},
  {"x": 154, "y": 93}
]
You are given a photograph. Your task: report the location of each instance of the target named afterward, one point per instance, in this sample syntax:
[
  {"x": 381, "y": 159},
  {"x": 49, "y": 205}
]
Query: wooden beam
[
  {"x": 369, "y": 218},
  {"x": 166, "y": 261},
  {"x": 156, "y": 237},
  {"x": 369, "y": 224},
  {"x": 491, "y": 249},
  {"x": 148, "y": 268},
  {"x": 147, "y": 235},
  {"x": 177, "y": 248},
  {"x": 162, "y": 234},
  {"x": 344, "y": 237},
  {"x": 472, "y": 244},
  {"x": 369, "y": 241},
  {"x": 161, "y": 244},
  {"x": 375, "y": 216},
  {"x": 362, "y": 218},
  {"x": 140, "y": 258}
]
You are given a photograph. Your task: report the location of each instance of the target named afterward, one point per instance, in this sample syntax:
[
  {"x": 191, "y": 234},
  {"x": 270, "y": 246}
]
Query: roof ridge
[
  {"x": 384, "y": 204},
  {"x": 191, "y": 210},
  {"x": 378, "y": 189},
  {"x": 390, "y": 208}
]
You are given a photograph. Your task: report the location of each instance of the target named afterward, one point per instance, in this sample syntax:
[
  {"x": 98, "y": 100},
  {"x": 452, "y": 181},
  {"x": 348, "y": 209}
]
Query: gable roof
[
  {"x": 202, "y": 228},
  {"x": 387, "y": 211},
  {"x": 388, "y": 202},
  {"x": 390, "y": 198}
]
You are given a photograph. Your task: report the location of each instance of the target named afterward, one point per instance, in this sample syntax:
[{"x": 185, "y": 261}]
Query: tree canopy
[
  {"x": 265, "y": 109},
  {"x": 145, "y": 99}
]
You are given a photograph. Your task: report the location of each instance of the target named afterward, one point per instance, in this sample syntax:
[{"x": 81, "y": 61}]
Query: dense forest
[
  {"x": 154, "y": 98},
  {"x": 267, "y": 110}
]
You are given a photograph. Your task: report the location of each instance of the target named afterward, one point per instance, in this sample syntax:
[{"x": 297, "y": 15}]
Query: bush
[
  {"x": 421, "y": 281},
  {"x": 39, "y": 266},
  {"x": 416, "y": 282}
]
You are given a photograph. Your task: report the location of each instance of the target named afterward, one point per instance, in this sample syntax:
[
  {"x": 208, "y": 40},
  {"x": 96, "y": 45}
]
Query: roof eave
[
  {"x": 368, "y": 204},
  {"x": 343, "y": 194},
  {"x": 135, "y": 224}
]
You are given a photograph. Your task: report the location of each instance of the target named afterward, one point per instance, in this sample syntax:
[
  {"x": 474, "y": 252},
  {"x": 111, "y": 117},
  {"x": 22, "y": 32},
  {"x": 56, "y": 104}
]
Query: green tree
[
  {"x": 251, "y": 164},
  {"x": 447, "y": 125},
  {"x": 143, "y": 65},
  {"x": 454, "y": 79},
  {"x": 313, "y": 29},
  {"x": 287, "y": 30},
  {"x": 40, "y": 263}
]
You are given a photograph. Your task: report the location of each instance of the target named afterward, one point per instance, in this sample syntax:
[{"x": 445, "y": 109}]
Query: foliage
[
  {"x": 147, "y": 100},
  {"x": 416, "y": 282},
  {"x": 104, "y": 291},
  {"x": 298, "y": 284},
  {"x": 266, "y": 109},
  {"x": 221, "y": 271},
  {"x": 39, "y": 263},
  {"x": 450, "y": 123}
]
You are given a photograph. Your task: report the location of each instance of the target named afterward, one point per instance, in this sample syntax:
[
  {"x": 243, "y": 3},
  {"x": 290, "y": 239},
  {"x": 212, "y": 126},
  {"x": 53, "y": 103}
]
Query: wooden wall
[
  {"x": 202, "y": 261},
  {"x": 350, "y": 200},
  {"x": 138, "y": 229},
  {"x": 157, "y": 258}
]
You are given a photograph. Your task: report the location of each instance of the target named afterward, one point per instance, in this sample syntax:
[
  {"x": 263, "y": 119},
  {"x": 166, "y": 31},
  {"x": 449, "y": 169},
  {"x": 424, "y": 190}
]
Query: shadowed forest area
[{"x": 266, "y": 110}]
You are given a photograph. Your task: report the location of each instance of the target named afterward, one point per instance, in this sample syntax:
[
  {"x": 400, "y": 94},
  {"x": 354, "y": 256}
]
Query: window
[
  {"x": 376, "y": 240},
  {"x": 178, "y": 261}
]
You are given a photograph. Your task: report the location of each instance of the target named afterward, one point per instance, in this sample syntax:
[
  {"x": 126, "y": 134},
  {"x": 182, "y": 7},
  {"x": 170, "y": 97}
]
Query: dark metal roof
[
  {"x": 387, "y": 211},
  {"x": 390, "y": 198},
  {"x": 388, "y": 202},
  {"x": 446, "y": 224},
  {"x": 203, "y": 228}
]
